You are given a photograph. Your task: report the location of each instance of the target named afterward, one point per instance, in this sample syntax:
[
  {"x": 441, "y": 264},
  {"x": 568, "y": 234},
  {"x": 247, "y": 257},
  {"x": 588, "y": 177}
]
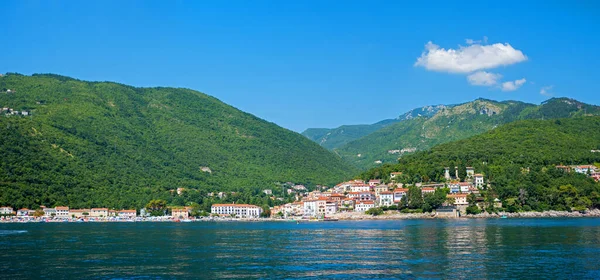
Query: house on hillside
[
  {"x": 399, "y": 193},
  {"x": 393, "y": 175}
]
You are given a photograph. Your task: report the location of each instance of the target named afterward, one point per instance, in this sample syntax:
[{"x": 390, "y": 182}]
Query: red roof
[
  {"x": 386, "y": 193},
  {"x": 62, "y": 207},
  {"x": 401, "y": 190}
]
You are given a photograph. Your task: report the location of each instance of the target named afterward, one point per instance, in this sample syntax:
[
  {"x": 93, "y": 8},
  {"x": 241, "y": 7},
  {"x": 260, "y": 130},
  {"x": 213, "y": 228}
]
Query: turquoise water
[{"x": 413, "y": 249}]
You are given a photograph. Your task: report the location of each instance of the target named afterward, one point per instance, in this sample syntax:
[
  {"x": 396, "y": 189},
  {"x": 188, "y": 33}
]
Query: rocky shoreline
[{"x": 351, "y": 216}]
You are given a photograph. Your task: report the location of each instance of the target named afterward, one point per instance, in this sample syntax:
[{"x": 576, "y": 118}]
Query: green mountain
[
  {"x": 449, "y": 123},
  {"x": 337, "y": 137},
  {"x": 518, "y": 160},
  {"x": 86, "y": 144}
]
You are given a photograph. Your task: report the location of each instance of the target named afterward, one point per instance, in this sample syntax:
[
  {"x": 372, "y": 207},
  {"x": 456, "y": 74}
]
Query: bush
[
  {"x": 473, "y": 210},
  {"x": 374, "y": 211}
]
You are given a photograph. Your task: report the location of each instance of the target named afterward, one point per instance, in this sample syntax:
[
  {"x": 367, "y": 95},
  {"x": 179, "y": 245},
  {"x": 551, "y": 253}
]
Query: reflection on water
[{"x": 462, "y": 249}]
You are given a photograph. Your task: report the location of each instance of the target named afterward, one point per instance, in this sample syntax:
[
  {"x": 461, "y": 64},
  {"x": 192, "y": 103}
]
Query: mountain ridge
[{"x": 452, "y": 122}]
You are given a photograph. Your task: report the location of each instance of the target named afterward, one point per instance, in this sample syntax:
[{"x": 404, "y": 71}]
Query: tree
[
  {"x": 376, "y": 211},
  {"x": 38, "y": 213},
  {"x": 415, "y": 198},
  {"x": 157, "y": 207}
]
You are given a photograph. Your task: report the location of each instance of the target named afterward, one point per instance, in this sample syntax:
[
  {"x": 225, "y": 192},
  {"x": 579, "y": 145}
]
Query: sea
[{"x": 514, "y": 248}]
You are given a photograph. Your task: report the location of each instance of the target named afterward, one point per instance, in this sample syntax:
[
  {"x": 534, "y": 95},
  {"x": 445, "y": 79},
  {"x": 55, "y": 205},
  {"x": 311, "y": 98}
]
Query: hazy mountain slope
[{"x": 337, "y": 137}]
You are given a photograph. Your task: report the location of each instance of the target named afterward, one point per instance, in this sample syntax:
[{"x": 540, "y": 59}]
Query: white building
[
  {"x": 331, "y": 207},
  {"x": 478, "y": 180},
  {"x": 362, "y": 206},
  {"x": 239, "y": 210},
  {"x": 386, "y": 199},
  {"x": 360, "y": 188},
  {"x": 49, "y": 212},
  {"x": 395, "y": 174},
  {"x": 23, "y": 212},
  {"x": 6, "y": 210},
  {"x": 399, "y": 193},
  {"x": 375, "y": 182},
  {"x": 584, "y": 169},
  {"x": 127, "y": 213},
  {"x": 62, "y": 212}
]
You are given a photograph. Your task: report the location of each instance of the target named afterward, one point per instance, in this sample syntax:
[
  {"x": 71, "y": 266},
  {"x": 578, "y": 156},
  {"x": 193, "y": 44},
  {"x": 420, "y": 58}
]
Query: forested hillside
[
  {"x": 518, "y": 159},
  {"x": 90, "y": 144}
]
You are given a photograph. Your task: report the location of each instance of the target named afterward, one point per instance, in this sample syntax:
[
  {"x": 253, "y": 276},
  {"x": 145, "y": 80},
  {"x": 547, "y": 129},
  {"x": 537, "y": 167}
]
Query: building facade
[{"x": 239, "y": 210}]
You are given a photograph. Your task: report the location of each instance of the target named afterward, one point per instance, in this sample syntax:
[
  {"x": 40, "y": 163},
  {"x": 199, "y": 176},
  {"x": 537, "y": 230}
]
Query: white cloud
[
  {"x": 482, "y": 78},
  {"x": 513, "y": 85},
  {"x": 471, "y": 41},
  {"x": 469, "y": 59},
  {"x": 545, "y": 91}
]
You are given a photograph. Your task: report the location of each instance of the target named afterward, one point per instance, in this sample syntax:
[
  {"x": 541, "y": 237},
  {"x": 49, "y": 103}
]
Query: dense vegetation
[
  {"x": 90, "y": 144},
  {"x": 453, "y": 123},
  {"x": 518, "y": 159}
]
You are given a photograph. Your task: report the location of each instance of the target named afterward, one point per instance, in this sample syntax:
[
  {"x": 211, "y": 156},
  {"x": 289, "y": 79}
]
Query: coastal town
[{"x": 323, "y": 203}]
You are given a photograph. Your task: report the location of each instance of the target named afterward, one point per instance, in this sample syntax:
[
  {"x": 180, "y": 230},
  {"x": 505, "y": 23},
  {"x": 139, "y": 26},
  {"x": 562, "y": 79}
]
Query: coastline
[
  {"x": 351, "y": 216},
  {"x": 345, "y": 216}
]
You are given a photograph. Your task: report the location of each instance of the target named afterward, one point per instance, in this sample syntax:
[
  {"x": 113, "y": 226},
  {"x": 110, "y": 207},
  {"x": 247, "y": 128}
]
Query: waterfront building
[
  {"x": 79, "y": 213},
  {"x": 23, "y": 212},
  {"x": 362, "y": 206},
  {"x": 99, "y": 212},
  {"x": 331, "y": 207},
  {"x": 49, "y": 212},
  {"x": 62, "y": 211},
  {"x": 239, "y": 210},
  {"x": 6, "y": 210},
  {"x": 127, "y": 213},
  {"x": 180, "y": 213}
]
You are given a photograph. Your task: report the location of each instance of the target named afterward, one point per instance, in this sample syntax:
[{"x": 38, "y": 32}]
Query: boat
[
  {"x": 186, "y": 221},
  {"x": 326, "y": 219},
  {"x": 503, "y": 217}
]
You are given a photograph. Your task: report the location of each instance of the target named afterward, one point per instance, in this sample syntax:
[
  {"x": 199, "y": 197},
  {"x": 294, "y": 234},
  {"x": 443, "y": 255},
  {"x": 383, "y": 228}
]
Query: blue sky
[{"x": 304, "y": 64}]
